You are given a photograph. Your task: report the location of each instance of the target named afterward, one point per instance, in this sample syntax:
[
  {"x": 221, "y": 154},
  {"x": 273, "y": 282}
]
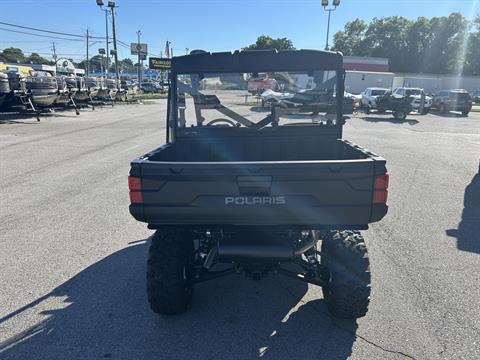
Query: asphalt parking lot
[{"x": 72, "y": 280}]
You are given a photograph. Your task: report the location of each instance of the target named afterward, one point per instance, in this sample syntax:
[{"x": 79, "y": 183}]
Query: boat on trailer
[
  {"x": 4, "y": 89},
  {"x": 63, "y": 97},
  {"x": 93, "y": 86},
  {"x": 122, "y": 91},
  {"x": 112, "y": 86},
  {"x": 104, "y": 91},
  {"x": 43, "y": 88},
  {"x": 82, "y": 93}
]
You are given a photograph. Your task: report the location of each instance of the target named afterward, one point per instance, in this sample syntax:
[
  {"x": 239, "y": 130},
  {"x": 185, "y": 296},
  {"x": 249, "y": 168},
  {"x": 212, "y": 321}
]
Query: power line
[
  {"x": 45, "y": 36},
  {"x": 48, "y": 31}
]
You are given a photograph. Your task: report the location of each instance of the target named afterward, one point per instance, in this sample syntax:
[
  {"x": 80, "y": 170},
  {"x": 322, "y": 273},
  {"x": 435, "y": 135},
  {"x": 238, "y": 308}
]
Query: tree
[
  {"x": 125, "y": 65},
  {"x": 419, "y": 36},
  {"x": 352, "y": 40},
  {"x": 13, "y": 55},
  {"x": 447, "y": 35},
  {"x": 35, "y": 58},
  {"x": 96, "y": 63},
  {"x": 472, "y": 56},
  {"x": 265, "y": 42},
  {"x": 387, "y": 37},
  {"x": 438, "y": 45}
]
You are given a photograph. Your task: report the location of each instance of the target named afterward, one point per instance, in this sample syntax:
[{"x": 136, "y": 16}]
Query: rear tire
[
  {"x": 170, "y": 271},
  {"x": 400, "y": 115},
  {"x": 347, "y": 295},
  {"x": 465, "y": 113}
]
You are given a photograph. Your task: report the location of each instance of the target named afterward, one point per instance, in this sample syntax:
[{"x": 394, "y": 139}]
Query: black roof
[{"x": 258, "y": 61}]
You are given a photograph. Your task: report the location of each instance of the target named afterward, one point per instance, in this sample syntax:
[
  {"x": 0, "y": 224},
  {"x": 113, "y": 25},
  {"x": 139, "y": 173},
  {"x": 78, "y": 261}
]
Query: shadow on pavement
[
  {"x": 468, "y": 232},
  {"x": 15, "y": 118},
  {"x": 389, "y": 120},
  {"x": 261, "y": 109},
  {"x": 104, "y": 314},
  {"x": 447, "y": 115}
]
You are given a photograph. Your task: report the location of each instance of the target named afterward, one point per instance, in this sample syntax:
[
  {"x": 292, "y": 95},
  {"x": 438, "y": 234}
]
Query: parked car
[
  {"x": 453, "y": 100},
  {"x": 148, "y": 88},
  {"x": 476, "y": 96},
  {"x": 416, "y": 95},
  {"x": 354, "y": 97},
  {"x": 370, "y": 96}
]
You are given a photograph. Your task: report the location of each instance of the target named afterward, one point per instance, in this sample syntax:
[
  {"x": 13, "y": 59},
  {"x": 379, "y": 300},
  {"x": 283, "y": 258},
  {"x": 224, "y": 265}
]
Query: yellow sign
[
  {"x": 16, "y": 68},
  {"x": 159, "y": 63}
]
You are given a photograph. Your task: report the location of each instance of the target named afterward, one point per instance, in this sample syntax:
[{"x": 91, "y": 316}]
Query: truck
[
  {"x": 238, "y": 189},
  {"x": 256, "y": 86}
]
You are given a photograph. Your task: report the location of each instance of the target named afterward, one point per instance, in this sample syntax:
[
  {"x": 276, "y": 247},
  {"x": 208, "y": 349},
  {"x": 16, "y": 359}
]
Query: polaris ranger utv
[{"x": 243, "y": 189}]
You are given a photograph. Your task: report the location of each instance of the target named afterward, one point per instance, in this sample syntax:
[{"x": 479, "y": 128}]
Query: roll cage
[{"x": 251, "y": 61}]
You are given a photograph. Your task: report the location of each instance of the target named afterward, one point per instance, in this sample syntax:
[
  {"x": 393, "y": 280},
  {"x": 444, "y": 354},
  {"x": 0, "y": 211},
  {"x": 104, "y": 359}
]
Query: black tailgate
[{"x": 305, "y": 194}]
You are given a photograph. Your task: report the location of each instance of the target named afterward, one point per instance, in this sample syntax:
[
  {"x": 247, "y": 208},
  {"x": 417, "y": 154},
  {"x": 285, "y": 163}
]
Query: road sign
[
  {"x": 136, "y": 49},
  {"x": 159, "y": 63}
]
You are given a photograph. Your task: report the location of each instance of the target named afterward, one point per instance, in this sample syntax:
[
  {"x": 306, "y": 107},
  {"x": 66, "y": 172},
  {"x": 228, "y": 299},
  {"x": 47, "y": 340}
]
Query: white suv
[
  {"x": 416, "y": 95},
  {"x": 370, "y": 95}
]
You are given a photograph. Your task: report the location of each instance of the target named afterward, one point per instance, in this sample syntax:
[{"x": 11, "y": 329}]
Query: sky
[{"x": 214, "y": 25}]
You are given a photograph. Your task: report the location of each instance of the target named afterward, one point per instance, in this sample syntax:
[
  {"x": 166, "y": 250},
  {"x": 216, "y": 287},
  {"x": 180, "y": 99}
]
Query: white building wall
[
  {"x": 357, "y": 81},
  {"x": 435, "y": 83}
]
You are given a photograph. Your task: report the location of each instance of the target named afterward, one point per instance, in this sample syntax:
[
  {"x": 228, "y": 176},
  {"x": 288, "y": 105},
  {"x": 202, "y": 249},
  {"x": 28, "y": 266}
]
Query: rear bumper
[
  {"x": 333, "y": 217},
  {"x": 458, "y": 107}
]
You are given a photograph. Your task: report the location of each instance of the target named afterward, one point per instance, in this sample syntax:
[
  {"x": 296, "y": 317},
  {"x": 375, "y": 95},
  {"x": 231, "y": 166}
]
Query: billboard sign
[
  {"x": 138, "y": 49},
  {"x": 159, "y": 63}
]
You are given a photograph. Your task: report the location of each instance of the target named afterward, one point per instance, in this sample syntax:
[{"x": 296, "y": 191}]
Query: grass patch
[
  {"x": 250, "y": 103},
  {"x": 148, "y": 96}
]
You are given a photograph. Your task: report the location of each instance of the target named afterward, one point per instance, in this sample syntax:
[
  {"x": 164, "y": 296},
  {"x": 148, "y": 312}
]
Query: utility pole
[
  {"x": 55, "y": 57},
  {"x": 139, "y": 72},
  {"x": 111, "y": 5},
  {"x": 106, "y": 39},
  {"x": 88, "y": 60}
]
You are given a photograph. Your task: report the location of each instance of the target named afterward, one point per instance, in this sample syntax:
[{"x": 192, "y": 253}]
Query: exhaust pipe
[{"x": 263, "y": 249}]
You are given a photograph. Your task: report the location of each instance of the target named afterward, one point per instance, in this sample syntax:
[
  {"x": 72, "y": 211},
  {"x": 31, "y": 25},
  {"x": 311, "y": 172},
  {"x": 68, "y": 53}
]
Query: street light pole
[
  {"x": 111, "y": 5},
  {"x": 106, "y": 40},
  {"x": 139, "y": 69},
  {"x": 325, "y": 4}
]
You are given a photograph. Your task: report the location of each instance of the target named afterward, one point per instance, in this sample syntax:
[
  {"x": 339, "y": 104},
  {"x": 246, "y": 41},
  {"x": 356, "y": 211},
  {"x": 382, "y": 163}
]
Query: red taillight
[
  {"x": 380, "y": 189},
  {"x": 135, "y": 189}
]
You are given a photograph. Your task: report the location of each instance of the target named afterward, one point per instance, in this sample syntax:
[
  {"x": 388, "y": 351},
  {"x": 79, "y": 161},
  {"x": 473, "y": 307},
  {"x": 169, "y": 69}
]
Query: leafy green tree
[
  {"x": 125, "y": 65},
  {"x": 387, "y": 37},
  {"x": 352, "y": 40},
  {"x": 448, "y": 33},
  {"x": 472, "y": 56},
  {"x": 35, "y": 58},
  {"x": 437, "y": 45},
  {"x": 265, "y": 42},
  {"x": 419, "y": 36},
  {"x": 96, "y": 63},
  {"x": 13, "y": 55}
]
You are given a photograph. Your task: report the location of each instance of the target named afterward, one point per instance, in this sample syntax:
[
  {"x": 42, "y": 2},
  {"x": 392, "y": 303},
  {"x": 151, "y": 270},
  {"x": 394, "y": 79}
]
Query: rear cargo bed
[
  {"x": 305, "y": 148},
  {"x": 294, "y": 183}
]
